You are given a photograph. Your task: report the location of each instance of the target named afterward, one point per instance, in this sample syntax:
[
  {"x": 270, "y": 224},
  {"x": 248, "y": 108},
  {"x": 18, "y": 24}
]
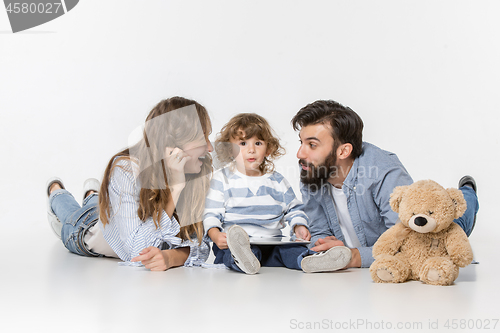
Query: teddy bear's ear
[
  {"x": 458, "y": 200},
  {"x": 396, "y": 197}
]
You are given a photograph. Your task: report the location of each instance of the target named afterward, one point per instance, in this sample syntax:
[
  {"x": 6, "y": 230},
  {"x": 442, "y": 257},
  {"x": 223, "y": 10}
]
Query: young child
[{"x": 248, "y": 197}]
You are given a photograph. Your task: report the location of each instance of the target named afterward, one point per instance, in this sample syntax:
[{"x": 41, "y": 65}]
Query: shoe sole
[
  {"x": 90, "y": 184},
  {"x": 468, "y": 180},
  {"x": 332, "y": 260},
  {"x": 239, "y": 245},
  {"x": 54, "y": 222},
  {"x": 52, "y": 181}
]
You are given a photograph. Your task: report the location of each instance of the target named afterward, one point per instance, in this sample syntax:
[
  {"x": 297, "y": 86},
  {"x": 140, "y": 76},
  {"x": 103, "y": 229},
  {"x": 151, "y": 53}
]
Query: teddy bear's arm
[
  {"x": 390, "y": 241},
  {"x": 458, "y": 246}
]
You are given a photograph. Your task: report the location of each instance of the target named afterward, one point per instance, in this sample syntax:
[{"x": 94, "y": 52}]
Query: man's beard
[{"x": 318, "y": 175}]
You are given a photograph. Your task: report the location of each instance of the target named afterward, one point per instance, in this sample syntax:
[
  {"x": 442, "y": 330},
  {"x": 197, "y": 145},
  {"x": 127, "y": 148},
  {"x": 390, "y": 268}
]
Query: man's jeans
[
  {"x": 467, "y": 220},
  {"x": 76, "y": 220}
]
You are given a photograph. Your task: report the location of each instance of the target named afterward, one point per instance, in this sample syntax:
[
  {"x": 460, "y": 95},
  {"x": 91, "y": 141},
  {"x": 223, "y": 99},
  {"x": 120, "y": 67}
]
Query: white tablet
[{"x": 275, "y": 241}]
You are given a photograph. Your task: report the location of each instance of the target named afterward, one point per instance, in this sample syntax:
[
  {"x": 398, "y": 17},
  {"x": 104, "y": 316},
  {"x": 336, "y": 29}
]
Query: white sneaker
[
  {"x": 90, "y": 184},
  {"x": 239, "y": 245},
  {"x": 336, "y": 258},
  {"x": 54, "y": 222}
]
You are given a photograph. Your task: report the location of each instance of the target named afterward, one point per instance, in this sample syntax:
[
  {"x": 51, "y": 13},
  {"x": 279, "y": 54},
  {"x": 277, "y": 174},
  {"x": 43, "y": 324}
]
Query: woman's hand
[
  {"x": 154, "y": 259},
  {"x": 175, "y": 160}
]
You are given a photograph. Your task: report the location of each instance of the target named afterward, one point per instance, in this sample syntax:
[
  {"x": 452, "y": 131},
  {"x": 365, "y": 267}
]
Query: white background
[{"x": 423, "y": 75}]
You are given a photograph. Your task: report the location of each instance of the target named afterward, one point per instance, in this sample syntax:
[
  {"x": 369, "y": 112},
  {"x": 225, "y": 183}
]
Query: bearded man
[{"x": 347, "y": 183}]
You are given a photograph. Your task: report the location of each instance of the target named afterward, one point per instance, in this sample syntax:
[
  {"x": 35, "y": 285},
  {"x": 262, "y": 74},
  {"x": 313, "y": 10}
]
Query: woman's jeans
[{"x": 76, "y": 220}]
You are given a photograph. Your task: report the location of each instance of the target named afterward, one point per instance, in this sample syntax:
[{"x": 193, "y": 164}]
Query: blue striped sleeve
[
  {"x": 214, "y": 213},
  {"x": 126, "y": 233},
  {"x": 198, "y": 253},
  {"x": 294, "y": 215}
]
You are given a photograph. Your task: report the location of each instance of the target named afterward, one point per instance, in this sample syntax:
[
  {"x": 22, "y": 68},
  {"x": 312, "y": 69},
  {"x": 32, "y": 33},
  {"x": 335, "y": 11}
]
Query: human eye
[
  {"x": 258, "y": 143},
  {"x": 242, "y": 143},
  {"x": 312, "y": 145}
]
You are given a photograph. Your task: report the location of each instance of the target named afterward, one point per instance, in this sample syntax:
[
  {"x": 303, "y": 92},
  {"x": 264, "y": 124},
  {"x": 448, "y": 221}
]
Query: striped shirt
[
  {"x": 260, "y": 205},
  {"x": 127, "y": 234}
]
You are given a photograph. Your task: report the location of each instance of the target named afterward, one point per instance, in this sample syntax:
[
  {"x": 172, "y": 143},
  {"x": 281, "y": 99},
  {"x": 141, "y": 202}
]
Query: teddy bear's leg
[
  {"x": 389, "y": 268},
  {"x": 438, "y": 271}
]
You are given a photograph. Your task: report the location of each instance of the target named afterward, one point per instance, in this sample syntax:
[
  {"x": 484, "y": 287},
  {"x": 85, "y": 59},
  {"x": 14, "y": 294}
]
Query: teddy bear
[{"x": 426, "y": 244}]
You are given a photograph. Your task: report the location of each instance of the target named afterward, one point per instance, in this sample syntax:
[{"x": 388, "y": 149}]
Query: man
[{"x": 346, "y": 183}]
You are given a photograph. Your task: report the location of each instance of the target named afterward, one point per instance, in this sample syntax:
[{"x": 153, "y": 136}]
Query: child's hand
[
  {"x": 153, "y": 258},
  {"x": 301, "y": 232},
  {"x": 218, "y": 237}
]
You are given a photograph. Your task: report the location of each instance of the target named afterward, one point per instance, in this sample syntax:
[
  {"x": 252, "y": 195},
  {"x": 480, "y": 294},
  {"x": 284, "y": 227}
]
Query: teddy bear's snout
[{"x": 420, "y": 221}]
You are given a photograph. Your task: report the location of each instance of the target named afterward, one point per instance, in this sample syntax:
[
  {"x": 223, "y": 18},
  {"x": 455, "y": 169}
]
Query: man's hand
[
  {"x": 302, "y": 233},
  {"x": 326, "y": 243},
  {"x": 218, "y": 237},
  {"x": 154, "y": 259}
]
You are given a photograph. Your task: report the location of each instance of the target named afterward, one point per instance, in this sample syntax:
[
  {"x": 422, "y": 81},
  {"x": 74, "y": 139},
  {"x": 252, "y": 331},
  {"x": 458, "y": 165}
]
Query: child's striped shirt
[{"x": 260, "y": 205}]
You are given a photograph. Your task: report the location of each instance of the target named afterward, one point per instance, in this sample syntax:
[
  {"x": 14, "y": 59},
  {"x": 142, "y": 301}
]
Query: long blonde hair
[{"x": 155, "y": 193}]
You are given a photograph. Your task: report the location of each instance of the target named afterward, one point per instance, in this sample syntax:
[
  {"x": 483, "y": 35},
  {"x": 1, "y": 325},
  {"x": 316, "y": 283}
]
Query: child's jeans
[
  {"x": 76, "y": 220},
  {"x": 288, "y": 256}
]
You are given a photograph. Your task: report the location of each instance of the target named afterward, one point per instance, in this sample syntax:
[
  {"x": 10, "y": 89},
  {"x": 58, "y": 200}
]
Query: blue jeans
[
  {"x": 76, "y": 220},
  {"x": 288, "y": 256},
  {"x": 467, "y": 220}
]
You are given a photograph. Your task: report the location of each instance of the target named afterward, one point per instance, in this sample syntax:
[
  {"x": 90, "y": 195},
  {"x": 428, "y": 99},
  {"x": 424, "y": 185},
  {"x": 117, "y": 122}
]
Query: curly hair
[{"x": 244, "y": 126}]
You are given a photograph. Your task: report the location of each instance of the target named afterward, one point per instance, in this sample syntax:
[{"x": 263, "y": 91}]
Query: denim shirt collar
[
  {"x": 352, "y": 177},
  {"x": 349, "y": 181}
]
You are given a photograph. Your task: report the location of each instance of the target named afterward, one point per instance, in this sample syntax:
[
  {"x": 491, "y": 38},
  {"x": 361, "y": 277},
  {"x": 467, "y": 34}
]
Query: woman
[{"x": 150, "y": 206}]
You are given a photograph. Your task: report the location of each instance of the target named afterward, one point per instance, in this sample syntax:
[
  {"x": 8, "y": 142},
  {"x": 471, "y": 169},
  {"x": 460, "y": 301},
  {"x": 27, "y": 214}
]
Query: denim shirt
[{"x": 368, "y": 186}]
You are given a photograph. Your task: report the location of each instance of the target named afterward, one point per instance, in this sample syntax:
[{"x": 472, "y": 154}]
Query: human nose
[{"x": 301, "y": 154}]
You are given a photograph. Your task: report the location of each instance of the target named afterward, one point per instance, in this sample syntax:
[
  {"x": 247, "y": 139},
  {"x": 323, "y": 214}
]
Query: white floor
[
  {"x": 423, "y": 76},
  {"x": 44, "y": 288}
]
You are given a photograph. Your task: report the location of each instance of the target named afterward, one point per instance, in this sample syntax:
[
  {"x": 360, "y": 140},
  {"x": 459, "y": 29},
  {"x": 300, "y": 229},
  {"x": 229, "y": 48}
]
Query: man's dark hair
[{"x": 346, "y": 125}]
